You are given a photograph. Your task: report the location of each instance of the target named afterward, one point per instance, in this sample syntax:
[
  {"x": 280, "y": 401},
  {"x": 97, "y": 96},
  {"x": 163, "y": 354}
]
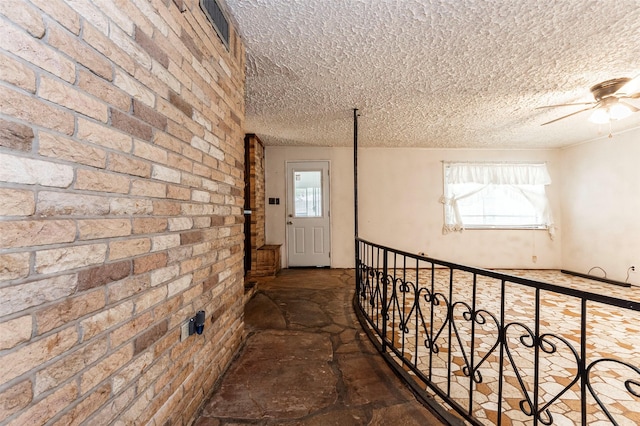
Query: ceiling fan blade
[
  {"x": 631, "y": 88},
  {"x": 568, "y": 115},
  {"x": 560, "y": 105},
  {"x": 628, "y": 105}
]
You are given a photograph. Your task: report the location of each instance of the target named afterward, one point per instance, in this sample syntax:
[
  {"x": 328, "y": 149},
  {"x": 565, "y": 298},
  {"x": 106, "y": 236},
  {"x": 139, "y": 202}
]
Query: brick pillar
[{"x": 256, "y": 197}]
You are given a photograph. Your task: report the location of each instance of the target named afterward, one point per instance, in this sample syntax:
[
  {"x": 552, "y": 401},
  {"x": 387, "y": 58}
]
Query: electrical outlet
[
  {"x": 184, "y": 331},
  {"x": 534, "y": 258}
]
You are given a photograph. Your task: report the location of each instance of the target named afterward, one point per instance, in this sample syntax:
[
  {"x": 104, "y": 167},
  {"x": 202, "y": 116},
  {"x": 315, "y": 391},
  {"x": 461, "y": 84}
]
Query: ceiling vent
[{"x": 213, "y": 11}]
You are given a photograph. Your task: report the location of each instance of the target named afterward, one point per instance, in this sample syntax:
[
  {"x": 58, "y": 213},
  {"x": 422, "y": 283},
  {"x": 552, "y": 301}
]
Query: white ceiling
[{"x": 432, "y": 73}]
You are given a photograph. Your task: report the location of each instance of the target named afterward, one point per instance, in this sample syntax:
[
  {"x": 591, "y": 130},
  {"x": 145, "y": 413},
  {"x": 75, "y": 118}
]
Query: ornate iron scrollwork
[{"x": 443, "y": 335}]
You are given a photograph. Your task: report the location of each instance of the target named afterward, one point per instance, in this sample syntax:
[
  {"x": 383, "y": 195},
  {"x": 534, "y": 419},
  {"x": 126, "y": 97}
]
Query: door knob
[{"x": 289, "y": 222}]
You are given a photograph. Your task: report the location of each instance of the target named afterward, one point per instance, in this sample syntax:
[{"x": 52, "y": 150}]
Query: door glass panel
[{"x": 308, "y": 193}]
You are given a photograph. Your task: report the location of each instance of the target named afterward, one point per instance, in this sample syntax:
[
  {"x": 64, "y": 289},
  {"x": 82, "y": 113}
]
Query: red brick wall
[{"x": 121, "y": 176}]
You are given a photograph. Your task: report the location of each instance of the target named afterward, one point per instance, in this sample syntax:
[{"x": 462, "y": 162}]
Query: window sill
[{"x": 505, "y": 228}]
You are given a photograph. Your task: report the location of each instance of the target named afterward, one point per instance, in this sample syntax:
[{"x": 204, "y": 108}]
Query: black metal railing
[{"x": 500, "y": 349}]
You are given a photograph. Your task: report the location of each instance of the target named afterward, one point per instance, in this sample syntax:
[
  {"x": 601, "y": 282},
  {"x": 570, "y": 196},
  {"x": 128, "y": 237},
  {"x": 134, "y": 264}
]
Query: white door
[{"x": 308, "y": 237}]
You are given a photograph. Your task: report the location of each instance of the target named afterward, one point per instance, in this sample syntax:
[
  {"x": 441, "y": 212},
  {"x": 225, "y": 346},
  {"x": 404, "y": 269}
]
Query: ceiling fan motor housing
[{"x": 608, "y": 88}]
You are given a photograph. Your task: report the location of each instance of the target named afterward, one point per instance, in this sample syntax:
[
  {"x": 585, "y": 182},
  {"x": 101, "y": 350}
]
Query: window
[
  {"x": 496, "y": 195},
  {"x": 308, "y": 193}
]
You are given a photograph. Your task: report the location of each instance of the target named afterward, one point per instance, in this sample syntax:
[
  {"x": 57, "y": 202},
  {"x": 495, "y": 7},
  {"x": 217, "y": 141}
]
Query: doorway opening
[{"x": 308, "y": 214}]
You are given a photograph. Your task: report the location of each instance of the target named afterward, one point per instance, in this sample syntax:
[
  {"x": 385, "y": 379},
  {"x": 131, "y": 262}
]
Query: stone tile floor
[
  {"x": 306, "y": 361},
  {"x": 611, "y": 333}
]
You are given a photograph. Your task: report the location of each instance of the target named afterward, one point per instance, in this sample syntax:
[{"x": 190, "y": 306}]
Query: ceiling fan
[{"x": 609, "y": 104}]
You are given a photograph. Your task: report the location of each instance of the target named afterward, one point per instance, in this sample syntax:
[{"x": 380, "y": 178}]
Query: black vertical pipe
[
  {"x": 355, "y": 199},
  {"x": 355, "y": 169}
]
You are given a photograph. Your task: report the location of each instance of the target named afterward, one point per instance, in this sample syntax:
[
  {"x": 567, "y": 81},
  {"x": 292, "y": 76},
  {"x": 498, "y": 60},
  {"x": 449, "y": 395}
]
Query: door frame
[{"x": 287, "y": 207}]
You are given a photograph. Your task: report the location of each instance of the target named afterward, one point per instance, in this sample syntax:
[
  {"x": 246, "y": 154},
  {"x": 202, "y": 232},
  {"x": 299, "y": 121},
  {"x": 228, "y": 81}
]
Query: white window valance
[
  {"x": 498, "y": 173},
  {"x": 471, "y": 181}
]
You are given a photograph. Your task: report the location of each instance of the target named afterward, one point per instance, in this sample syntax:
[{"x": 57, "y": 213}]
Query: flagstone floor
[{"x": 307, "y": 361}]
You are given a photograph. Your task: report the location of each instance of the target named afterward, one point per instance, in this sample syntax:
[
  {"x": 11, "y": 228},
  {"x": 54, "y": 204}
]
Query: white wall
[
  {"x": 341, "y": 187},
  {"x": 399, "y": 207},
  {"x": 399, "y": 191},
  {"x": 601, "y": 199}
]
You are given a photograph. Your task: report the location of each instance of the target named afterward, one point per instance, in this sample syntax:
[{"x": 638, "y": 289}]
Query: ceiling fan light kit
[
  {"x": 599, "y": 116},
  {"x": 611, "y": 109},
  {"x": 608, "y": 104},
  {"x": 619, "y": 111}
]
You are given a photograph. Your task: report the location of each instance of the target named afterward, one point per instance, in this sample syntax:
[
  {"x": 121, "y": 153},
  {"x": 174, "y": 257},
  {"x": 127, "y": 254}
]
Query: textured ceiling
[{"x": 429, "y": 73}]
